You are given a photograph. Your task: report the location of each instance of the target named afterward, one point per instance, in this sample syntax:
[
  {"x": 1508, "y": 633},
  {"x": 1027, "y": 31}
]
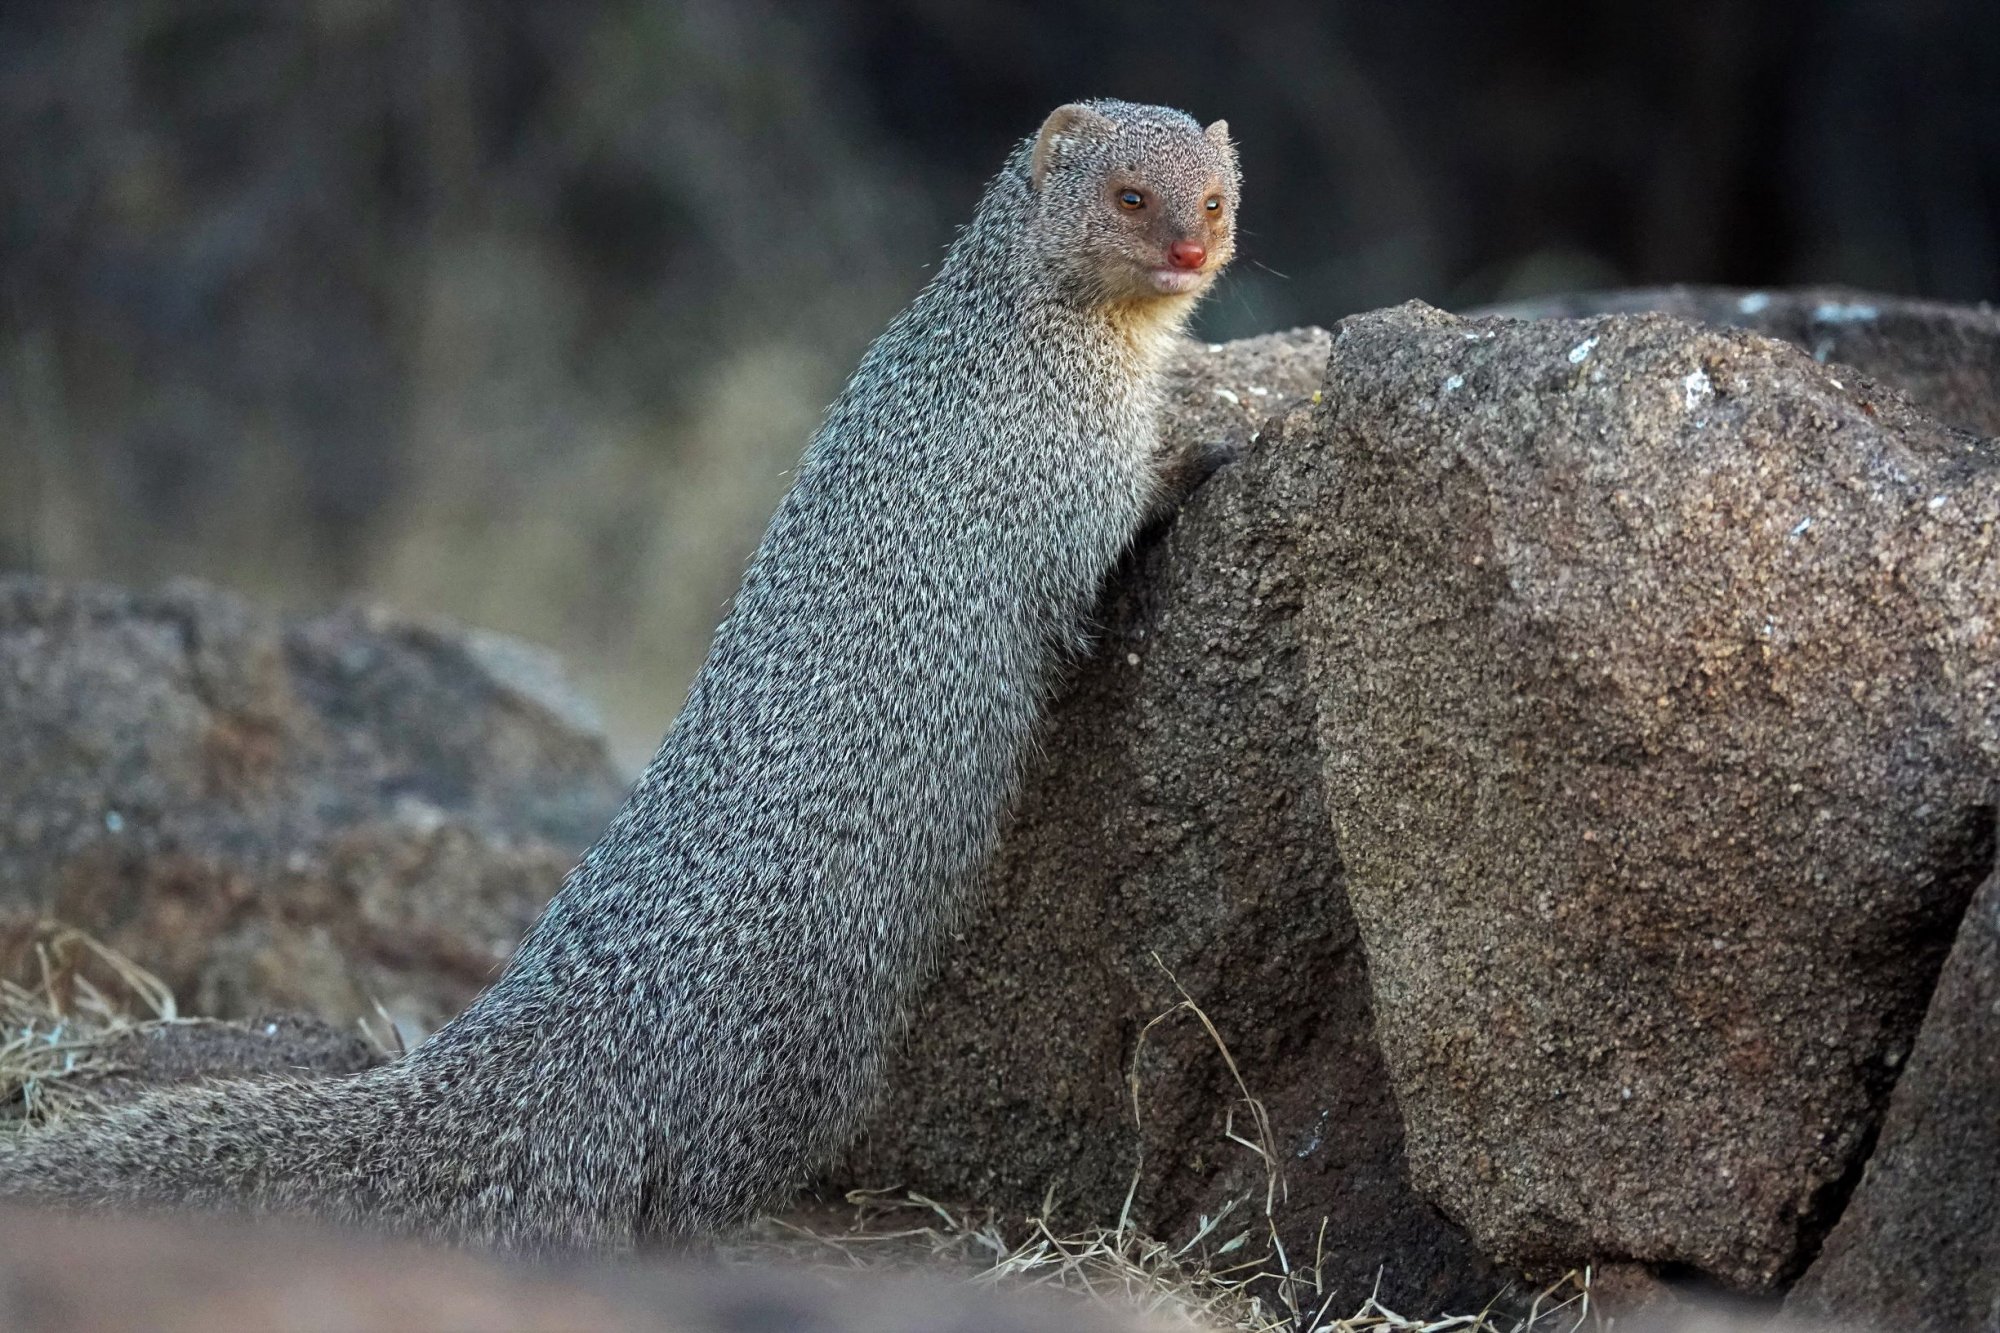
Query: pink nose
[{"x": 1186, "y": 254}]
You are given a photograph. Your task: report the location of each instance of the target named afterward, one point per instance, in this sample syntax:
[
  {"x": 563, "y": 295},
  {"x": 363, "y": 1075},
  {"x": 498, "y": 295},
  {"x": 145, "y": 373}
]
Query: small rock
[{"x": 191, "y": 1051}]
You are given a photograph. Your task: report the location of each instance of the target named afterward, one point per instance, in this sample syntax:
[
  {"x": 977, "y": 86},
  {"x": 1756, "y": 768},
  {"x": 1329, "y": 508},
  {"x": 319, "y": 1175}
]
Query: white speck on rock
[
  {"x": 1695, "y": 386},
  {"x": 1754, "y": 303},
  {"x": 113, "y": 821},
  {"x": 270, "y": 1029},
  {"x": 417, "y": 813},
  {"x": 1215, "y": 347},
  {"x": 1581, "y": 350},
  {"x": 1937, "y": 502},
  {"x": 1803, "y": 524},
  {"x": 1835, "y": 312},
  {"x": 1454, "y": 382},
  {"x": 1228, "y": 395},
  {"x": 1131, "y": 659}
]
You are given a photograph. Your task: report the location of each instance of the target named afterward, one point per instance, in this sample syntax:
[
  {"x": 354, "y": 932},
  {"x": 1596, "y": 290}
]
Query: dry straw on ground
[
  {"x": 1205, "y": 1283},
  {"x": 69, "y": 999},
  {"x": 1233, "y": 1273},
  {"x": 64, "y": 999}
]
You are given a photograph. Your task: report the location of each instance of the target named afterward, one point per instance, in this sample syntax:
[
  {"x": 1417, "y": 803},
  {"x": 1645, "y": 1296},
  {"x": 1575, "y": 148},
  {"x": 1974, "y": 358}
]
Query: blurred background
[{"x": 516, "y": 311}]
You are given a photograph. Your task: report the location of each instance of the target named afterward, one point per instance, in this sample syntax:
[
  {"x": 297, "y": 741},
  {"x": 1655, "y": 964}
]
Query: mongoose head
[{"x": 1136, "y": 205}]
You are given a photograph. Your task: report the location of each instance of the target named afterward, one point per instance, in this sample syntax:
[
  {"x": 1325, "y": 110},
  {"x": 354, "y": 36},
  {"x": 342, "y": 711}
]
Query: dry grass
[
  {"x": 68, "y": 999},
  {"x": 1205, "y": 1283},
  {"x": 71, "y": 997},
  {"x": 1233, "y": 1273}
]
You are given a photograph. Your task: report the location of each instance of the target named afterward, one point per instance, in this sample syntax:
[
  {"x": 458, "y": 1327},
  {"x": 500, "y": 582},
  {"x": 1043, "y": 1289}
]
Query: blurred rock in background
[
  {"x": 351, "y": 815},
  {"x": 519, "y": 312}
]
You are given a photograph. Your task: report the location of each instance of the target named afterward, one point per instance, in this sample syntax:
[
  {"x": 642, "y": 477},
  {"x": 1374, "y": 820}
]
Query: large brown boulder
[
  {"x": 321, "y": 814},
  {"x": 1176, "y": 824},
  {"x": 1656, "y": 669},
  {"x": 1918, "y": 1248},
  {"x": 1644, "y": 672}
]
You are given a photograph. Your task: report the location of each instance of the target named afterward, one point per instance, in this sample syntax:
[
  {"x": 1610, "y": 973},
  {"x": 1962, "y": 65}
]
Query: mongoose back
[{"x": 699, "y": 1015}]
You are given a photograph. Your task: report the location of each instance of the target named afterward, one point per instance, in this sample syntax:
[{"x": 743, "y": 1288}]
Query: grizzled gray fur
[{"x": 697, "y": 1019}]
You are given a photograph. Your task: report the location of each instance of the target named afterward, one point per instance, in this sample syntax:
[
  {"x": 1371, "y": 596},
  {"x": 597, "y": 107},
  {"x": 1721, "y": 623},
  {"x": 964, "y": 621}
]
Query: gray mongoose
[{"x": 698, "y": 1017}]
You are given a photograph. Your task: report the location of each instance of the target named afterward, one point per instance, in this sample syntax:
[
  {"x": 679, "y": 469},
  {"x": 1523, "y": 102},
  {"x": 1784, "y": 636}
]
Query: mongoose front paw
[
  {"x": 1183, "y": 472},
  {"x": 1204, "y": 460}
]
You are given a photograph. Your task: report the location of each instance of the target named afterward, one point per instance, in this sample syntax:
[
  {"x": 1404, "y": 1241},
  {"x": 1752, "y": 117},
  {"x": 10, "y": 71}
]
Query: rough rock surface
[
  {"x": 1177, "y": 812},
  {"x": 318, "y": 815},
  {"x": 188, "y": 1052},
  {"x": 1656, "y": 669},
  {"x": 1918, "y": 1248},
  {"x": 81, "y": 1275},
  {"x": 1945, "y": 357}
]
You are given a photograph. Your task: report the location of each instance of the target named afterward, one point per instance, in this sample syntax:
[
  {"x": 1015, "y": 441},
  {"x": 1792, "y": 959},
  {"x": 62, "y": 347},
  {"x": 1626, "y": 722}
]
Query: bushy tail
[
  {"x": 446, "y": 1148},
  {"x": 285, "y": 1144}
]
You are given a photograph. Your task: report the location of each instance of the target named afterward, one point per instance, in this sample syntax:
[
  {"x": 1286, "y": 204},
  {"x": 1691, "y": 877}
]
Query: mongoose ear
[
  {"x": 1066, "y": 126},
  {"x": 1218, "y": 133}
]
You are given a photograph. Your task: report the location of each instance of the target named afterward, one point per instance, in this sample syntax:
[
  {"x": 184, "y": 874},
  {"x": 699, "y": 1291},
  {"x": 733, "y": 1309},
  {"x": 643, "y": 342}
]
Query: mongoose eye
[
  {"x": 1212, "y": 203},
  {"x": 1131, "y": 200}
]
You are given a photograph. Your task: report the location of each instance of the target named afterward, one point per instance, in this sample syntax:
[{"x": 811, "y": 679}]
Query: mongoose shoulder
[{"x": 697, "y": 1018}]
